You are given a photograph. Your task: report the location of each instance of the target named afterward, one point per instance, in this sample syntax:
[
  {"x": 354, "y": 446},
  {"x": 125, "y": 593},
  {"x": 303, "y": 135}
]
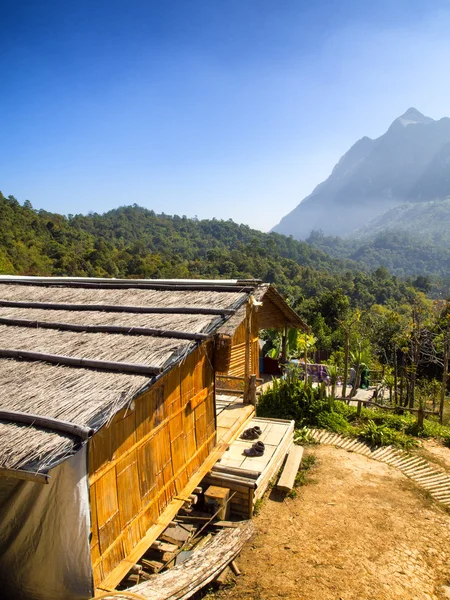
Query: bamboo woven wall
[
  {"x": 146, "y": 456},
  {"x": 237, "y": 364}
]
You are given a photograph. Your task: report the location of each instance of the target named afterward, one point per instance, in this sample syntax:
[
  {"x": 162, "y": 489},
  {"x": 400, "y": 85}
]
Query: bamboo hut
[{"x": 108, "y": 416}]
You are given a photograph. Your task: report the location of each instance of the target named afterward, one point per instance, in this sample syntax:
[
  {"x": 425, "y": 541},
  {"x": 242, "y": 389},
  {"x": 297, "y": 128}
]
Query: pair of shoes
[
  {"x": 256, "y": 450},
  {"x": 252, "y": 433}
]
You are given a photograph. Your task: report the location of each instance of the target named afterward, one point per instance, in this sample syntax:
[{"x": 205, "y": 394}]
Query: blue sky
[{"x": 215, "y": 108}]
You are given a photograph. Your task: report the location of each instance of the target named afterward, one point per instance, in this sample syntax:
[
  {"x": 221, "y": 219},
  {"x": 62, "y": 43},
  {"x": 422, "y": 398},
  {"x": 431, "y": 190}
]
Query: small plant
[
  {"x": 308, "y": 462},
  {"x": 376, "y": 435},
  {"x": 302, "y": 437},
  {"x": 258, "y": 506}
]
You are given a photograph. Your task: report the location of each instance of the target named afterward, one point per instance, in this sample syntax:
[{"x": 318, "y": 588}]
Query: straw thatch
[
  {"x": 86, "y": 396},
  {"x": 127, "y": 297},
  {"x": 155, "y": 352},
  {"x": 89, "y": 396},
  {"x": 82, "y": 396},
  {"x": 176, "y": 322}
]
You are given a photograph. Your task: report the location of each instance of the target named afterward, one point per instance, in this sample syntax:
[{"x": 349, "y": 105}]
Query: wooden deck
[
  {"x": 273, "y": 432},
  {"x": 232, "y": 416},
  {"x": 248, "y": 477}
]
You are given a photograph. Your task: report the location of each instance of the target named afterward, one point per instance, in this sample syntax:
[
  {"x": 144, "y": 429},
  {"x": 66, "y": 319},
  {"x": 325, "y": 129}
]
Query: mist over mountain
[{"x": 410, "y": 163}]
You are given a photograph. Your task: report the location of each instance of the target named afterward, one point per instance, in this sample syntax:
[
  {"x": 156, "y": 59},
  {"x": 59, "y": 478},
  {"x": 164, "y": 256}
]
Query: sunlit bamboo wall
[
  {"x": 146, "y": 456},
  {"x": 237, "y": 364}
]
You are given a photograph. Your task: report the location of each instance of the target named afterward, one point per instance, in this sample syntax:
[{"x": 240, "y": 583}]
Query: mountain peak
[{"x": 412, "y": 117}]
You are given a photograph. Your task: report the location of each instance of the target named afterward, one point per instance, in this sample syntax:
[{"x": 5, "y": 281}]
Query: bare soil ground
[
  {"x": 435, "y": 452},
  {"x": 360, "y": 530}
]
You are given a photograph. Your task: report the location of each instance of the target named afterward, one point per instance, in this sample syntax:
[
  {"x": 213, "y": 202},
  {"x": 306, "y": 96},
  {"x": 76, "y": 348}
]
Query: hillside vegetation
[{"x": 134, "y": 242}]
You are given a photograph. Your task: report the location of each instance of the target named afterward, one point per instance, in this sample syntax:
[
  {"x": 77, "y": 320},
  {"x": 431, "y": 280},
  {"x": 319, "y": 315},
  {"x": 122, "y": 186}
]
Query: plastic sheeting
[{"x": 44, "y": 535}]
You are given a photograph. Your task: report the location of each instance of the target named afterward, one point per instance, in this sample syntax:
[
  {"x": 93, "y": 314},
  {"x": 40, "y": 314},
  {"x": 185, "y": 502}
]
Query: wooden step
[{"x": 293, "y": 461}]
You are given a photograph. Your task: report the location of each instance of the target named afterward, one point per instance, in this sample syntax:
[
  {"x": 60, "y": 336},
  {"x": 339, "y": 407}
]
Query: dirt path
[{"x": 360, "y": 531}]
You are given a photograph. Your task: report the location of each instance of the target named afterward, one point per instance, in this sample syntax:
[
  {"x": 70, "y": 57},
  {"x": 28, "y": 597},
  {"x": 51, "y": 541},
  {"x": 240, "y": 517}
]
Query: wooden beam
[
  {"x": 159, "y": 310},
  {"x": 85, "y": 363},
  {"x": 123, "y": 330},
  {"x": 57, "y": 425}
]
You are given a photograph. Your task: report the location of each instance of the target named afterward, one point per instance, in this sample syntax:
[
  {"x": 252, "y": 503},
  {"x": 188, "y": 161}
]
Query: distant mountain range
[{"x": 376, "y": 184}]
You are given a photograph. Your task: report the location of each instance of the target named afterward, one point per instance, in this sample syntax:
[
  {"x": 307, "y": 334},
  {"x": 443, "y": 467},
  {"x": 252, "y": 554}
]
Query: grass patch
[
  {"x": 258, "y": 506},
  {"x": 302, "y": 478}
]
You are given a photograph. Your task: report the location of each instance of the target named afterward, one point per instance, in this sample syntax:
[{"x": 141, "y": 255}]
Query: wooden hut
[{"x": 108, "y": 416}]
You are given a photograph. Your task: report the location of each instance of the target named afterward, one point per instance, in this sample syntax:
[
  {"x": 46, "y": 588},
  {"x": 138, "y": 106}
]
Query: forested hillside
[
  {"x": 403, "y": 253},
  {"x": 134, "y": 242}
]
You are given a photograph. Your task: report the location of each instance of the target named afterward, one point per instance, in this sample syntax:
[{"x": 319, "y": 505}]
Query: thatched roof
[{"x": 78, "y": 350}]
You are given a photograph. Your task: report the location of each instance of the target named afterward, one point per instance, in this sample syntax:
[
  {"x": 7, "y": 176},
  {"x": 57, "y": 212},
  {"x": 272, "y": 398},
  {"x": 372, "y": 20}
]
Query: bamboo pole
[
  {"x": 79, "y": 431},
  {"x": 85, "y": 363},
  {"x": 248, "y": 316},
  {"x": 25, "y": 475},
  {"x": 123, "y": 330},
  {"x": 134, "y": 286},
  {"x": 162, "y": 310}
]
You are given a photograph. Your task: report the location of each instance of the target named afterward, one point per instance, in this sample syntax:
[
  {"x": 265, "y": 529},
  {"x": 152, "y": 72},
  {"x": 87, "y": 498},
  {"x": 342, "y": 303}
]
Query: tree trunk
[
  {"x": 395, "y": 378},
  {"x": 357, "y": 378},
  {"x": 444, "y": 379},
  {"x": 347, "y": 352},
  {"x": 305, "y": 358}
]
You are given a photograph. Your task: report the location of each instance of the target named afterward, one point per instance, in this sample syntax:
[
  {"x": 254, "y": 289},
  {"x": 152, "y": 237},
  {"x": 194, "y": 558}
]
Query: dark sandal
[
  {"x": 253, "y": 451},
  {"x": 250, "y": 434},
  {"x": 256, "y": 450}
]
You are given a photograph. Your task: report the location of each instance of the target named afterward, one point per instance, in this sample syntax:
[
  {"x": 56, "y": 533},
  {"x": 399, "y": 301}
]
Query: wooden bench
[{"x": 290, "y": 470}]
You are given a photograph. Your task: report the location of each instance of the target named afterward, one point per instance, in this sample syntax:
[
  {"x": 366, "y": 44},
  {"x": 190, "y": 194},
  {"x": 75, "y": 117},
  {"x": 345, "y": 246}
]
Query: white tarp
[{"x": 44, "y": 535}]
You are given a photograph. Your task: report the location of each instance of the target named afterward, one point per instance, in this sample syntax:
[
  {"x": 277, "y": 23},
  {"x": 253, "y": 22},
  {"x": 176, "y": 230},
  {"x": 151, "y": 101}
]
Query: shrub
[
  {"x": 335, "y": 421},
  {"x": 292, "y": 398},
  {"x": 382, "y": 435}
]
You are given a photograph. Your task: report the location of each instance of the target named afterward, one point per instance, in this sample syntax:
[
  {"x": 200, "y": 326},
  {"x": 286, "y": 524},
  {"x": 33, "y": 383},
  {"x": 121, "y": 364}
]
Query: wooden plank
[
  {"x": 203, "y": 566},
  {"x": 277, "y": 459},
  {"x": 129, "y": 284},
  {"x": 294, "y": 459}
]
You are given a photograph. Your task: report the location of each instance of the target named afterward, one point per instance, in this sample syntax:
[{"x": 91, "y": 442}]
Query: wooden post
[
  {"x": 252, "y": 390},
  {"x": 358, "y": 410},
  {"x": 248, "y": 313},
  {"x": 284, "y": 346},
  {"x": 420, "y": 415}
]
